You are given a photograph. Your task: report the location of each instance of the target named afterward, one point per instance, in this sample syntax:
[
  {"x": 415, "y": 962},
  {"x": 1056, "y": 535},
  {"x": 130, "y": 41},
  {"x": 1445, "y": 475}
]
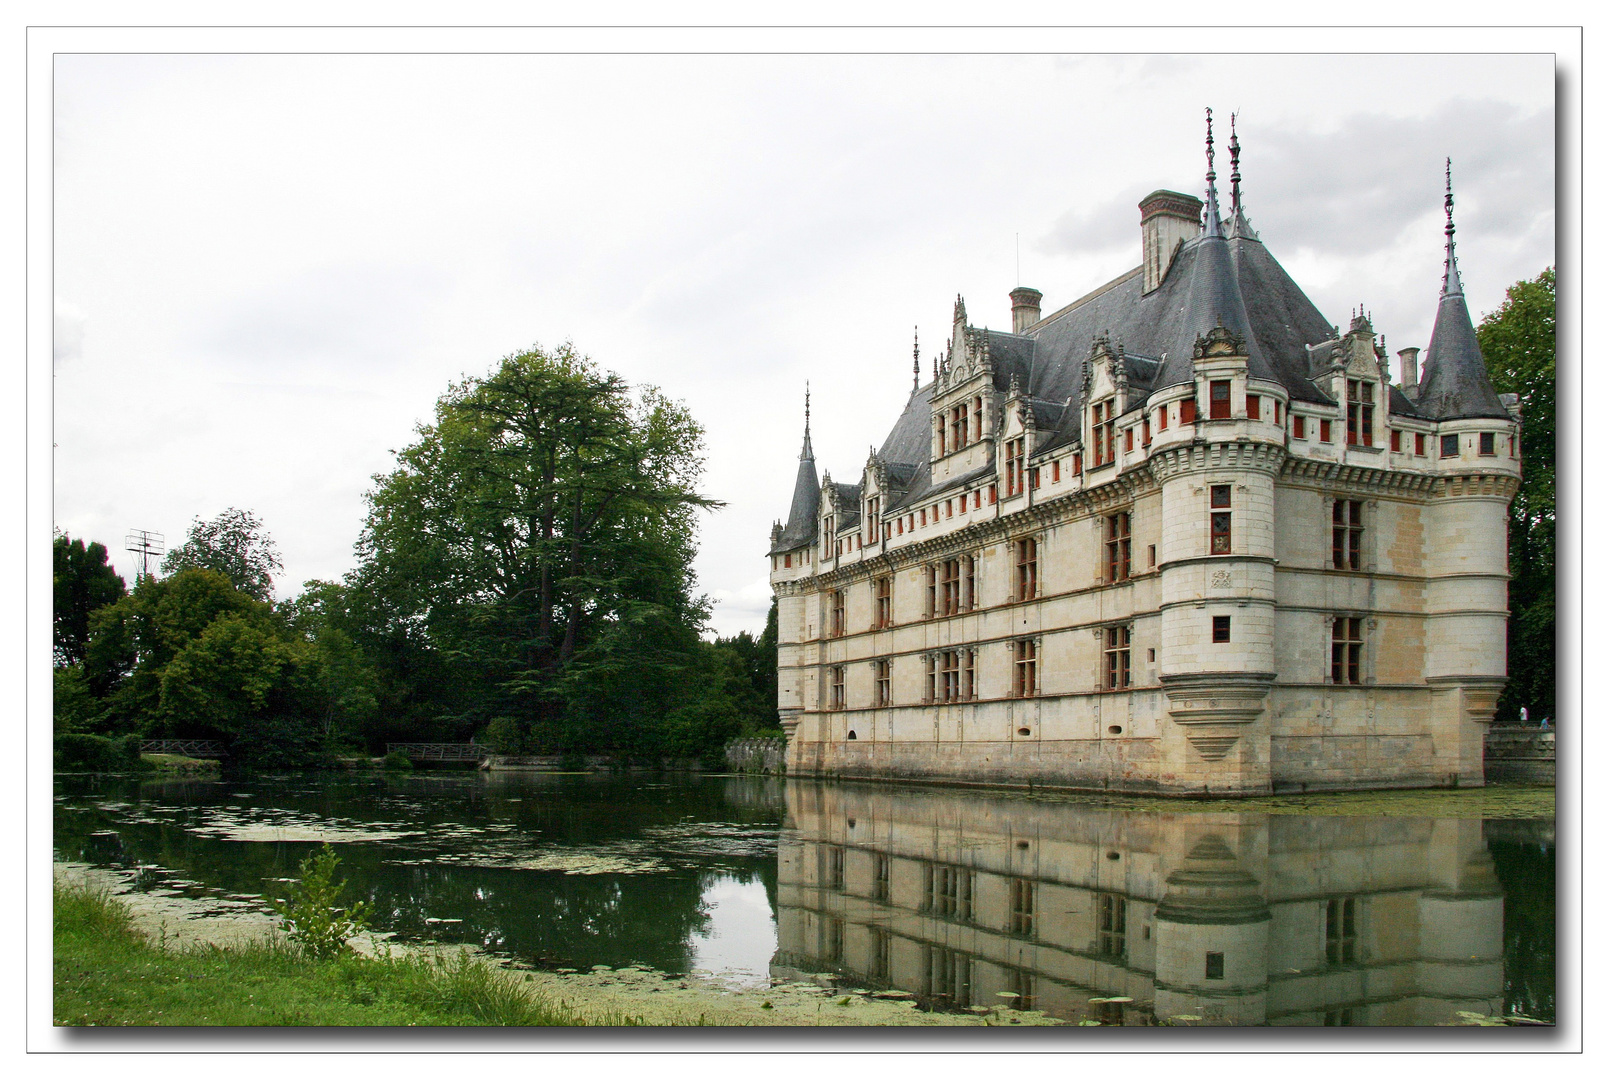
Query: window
[
  {"x": 1128, "y": 440},
  {"x": 1022, "y": 907},
  {"x": 787, "y": 561},
  {"x": 1220, "y": 519},
  {"x": 1254, "y": 407},
  {"x": 949, "y": 688},
  {"x": 993, "y": 494},
  {"x": 969, "y": 675},
  {"x": 1488, "y": 444},
  {"x": 826, "y": 535},
  {"x": 1298, "y": 427},
  {"x": 1220, "y": 629},
  {"x": 873, "y": 505},
  {"x": 836, "y": 675},
  {"x": 832, "y": 939},
  {"x": 977, "y": 418},
  {"x": 1396, "y": 441},
  {"x": 1078, "y": 464},
  {"x": 969, "y": 583},
  {"x": 883, "y": 591},
  {"x": 1162, "y": 418},
  {"x": 944, "y": 448},
  {"x": 1449, "y": 446},
  {"x": 1117, "y": 546},
  {"x": 1014, "y": 464},
  {"x": 1419, "y": 444},
  {"x": 1323, "y": 431},
  {"x": 947, "y": 892},
  {"x": 1025, "y": 668},
  {"x": 977, "y": 499},
  {"x": 833, "y": 875},
  {"x": 949, "y": 595},
  {"x": 1218, "y": 397},
  {"x": 1145, "y": 431},
  {"x": 1276, "y": 411},
  {"x": 1117, "y": 657},
  {"x": 1027, "y": 583},
  {"x": 931, "y": 688},
  {"x": 1341, "y": 931},
  {"x": 1187, "y": 411},
  {"x": 1359, "y": 412},
  {"x": 877, "y": 960},
  {"x": 1346, "y": 650},
  {"x": 1112, "y": 924},
  {"x": 1346, "y": 534},
  {"x": 949, "y": 508},
  {"x": 881, "y": 671},
  {"x": 1150, "y": 555},
  {"x": 1033, "y": 478},
  {"x": 1104, "y": 429},
  {"x": 947, "y": 974},
  {"x": 960, "y": 427},
  {"x": 836, "y": 620},
  {"x": 1215, "y": 965},
  {"x": 880, "y": 875},
  {"x": 1055, "y": 472}
]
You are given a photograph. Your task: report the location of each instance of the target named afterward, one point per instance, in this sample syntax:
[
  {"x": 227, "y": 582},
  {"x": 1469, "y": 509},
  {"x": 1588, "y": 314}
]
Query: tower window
[
  {"x": 1117, "y": 657},
  {"x": 1346, "y": 650},
  {"x": 1117, "y": 546},
  {"x": 1128, "y": 440},
  {"x": 1215, "y": 965},
  {"x": 1162, "y": 418},
  {"x": 1220, "y": 629},
  {"x": 1323, "y": 431},
  {"x": 1419, "y": 444},
  {"x": 1449, "y": 446},
  {"x": 1276, "y": 411},
  {"x": 1220, "y": 522},
  {"x": 1187, "y": 411},
  {"x": 1488, "y": 444},
  {"x": 1396, "y": 441},
  {"x": 960, "y": 427},
  {"x": 1218, "y": 398},
  {"x": 1298, "y": 427},
  {"x": 1346, "y": 533},
  {"x": 1254, "y": 407}
]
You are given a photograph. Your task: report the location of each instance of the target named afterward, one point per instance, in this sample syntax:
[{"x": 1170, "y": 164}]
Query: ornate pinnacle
[
  {"x": 1450, "y": 284},
  {"x": 916, "y": 361},
  {"x": 807, "y": 406},
  {"x": 1213, "y": 224},
  {"x": 1234, "y": 169}
]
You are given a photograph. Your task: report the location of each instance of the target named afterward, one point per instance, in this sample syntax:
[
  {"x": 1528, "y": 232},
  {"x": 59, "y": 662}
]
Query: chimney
[
  {"x": 1167, "y": 219},
  {"x": 1024, "y": 308},
  {"x": 1408, "y": 372}
]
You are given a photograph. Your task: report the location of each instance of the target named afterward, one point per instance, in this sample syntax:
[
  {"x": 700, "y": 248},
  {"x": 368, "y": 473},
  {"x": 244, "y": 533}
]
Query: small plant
[
  {"x": 312, "y": 915},
  {"x": 397, "y": 761}
]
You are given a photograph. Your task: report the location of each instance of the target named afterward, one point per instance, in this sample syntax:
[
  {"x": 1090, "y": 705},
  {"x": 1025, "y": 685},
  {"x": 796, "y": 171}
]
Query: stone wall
[
  {"x": 762, "y": 754},
  {"x": 1523, "y": 754}
]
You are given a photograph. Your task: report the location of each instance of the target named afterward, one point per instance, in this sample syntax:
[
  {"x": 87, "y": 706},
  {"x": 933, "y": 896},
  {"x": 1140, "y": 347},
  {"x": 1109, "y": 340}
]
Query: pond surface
[{"x": 963, "y": 899}]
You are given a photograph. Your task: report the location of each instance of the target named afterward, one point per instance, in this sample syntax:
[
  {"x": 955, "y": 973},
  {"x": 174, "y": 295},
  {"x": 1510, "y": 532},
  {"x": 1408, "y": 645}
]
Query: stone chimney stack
[
  {"x": 1024, "y": 308},
  {"x": 1408, "y": 372},
  {"x": 1167, "y": 219}
]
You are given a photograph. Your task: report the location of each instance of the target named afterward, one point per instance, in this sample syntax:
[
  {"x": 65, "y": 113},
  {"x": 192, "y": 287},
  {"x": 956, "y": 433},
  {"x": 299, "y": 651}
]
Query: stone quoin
[{"x": 1182, "y": 535}]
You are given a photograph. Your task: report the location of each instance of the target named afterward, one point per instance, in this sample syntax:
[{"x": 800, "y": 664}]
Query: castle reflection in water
[{"x": 1232, "y": 918}]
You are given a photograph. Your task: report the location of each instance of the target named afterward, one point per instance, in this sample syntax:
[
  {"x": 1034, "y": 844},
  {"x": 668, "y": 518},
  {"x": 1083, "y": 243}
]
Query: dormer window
[
  {"x": 1359, "y": 412},
  {"x": 960, "y": 427},
  {"x": 977, "y": 418},
  {"x": 943, "y": 446},
  {"x": 1014, "y": 462},
  {"x": 1104, "y": 428},
  {"x": 872, "y": 507},
  {"x": 826, "y": 534},
  {"x": 1218, "y": 397}
]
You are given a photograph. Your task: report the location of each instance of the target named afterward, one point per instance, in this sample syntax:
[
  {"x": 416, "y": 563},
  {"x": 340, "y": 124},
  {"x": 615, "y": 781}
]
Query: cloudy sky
[{"x": 267, "y": 268}]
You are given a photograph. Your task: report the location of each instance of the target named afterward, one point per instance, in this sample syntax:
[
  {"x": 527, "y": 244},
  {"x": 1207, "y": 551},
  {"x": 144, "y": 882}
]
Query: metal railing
[
  {"x": 196, "y": 748},
  {"x": 439, "y": 751}
]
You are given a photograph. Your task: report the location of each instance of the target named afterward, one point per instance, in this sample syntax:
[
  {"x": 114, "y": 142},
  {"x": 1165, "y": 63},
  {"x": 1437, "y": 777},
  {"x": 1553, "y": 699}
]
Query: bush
[
  {"x": 503, "y": 735},
  {"x": 312, "y": 916},
  {"x": 397, "y": 761},
  {"x": 92, "y": 753},
  {"x": 280, "y": 742}
]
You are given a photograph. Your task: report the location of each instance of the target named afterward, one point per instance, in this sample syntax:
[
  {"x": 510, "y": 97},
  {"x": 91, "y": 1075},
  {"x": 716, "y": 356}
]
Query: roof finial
[
  {"x": 1214, "y": 225},
  {"x": 807, "y": 408},
  {"x": 916, "y": 360},
  {"x": 1234, "y": 169},
  {"x": 1450, "y": 285}
]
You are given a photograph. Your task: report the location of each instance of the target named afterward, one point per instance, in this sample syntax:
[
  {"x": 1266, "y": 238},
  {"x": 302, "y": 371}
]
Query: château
[{"x": 1182, "y": 536}]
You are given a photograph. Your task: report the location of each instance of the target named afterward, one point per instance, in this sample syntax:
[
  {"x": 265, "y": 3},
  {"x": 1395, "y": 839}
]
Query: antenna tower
[{"x": 145, "y": 545}]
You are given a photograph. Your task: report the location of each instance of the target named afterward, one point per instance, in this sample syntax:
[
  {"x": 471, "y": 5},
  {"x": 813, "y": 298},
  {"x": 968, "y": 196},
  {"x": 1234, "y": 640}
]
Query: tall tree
[
  {"x": 82, "y": 581},
  {"x": 234, "y": 544},
  {"x": 1518, "y": 342},
  {"x": 539, "y": 535}
]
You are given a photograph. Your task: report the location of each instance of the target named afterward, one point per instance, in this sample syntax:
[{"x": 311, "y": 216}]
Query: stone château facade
[{"x": 1180, "y": 536}]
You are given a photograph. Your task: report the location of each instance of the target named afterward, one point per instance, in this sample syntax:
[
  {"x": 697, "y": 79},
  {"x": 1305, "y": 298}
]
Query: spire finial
[
  {"x": 1214, "y": 225},
  {"x": 916, "y": 359},
  {"x": 1450, "y": 285},
  {"x": 807, "y": 406},
  {"x": 1234, "y": 169}
]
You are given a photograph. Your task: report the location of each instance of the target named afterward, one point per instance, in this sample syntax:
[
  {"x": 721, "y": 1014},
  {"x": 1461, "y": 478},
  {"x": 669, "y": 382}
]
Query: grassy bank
[{"x": 109, "y": 974}]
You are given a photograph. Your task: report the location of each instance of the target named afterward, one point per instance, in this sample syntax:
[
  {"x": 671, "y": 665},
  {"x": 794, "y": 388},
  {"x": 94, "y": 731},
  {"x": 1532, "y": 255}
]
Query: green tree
[
  {"x": 234, "y": 544},
  {"x": 82, "y": 582},
  {"x": 537, "y": 540},
  {"x": 1518, "y": 342}
]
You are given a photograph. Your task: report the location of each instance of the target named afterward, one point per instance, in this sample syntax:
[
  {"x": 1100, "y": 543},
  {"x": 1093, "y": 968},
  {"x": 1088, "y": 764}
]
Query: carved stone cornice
[{"x": 1203, "y": 454}]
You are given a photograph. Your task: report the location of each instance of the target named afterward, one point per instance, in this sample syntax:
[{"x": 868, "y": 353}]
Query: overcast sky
[{"x": 267, "y": 268}]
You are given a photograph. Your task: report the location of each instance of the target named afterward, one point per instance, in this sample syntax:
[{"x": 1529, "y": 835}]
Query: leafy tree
[
  {"x": 82, "y": 582},
  {"x": 536, "y": 540},
  {"x": 1518, "y": 342},
  {"x": 234, "y": 544}
]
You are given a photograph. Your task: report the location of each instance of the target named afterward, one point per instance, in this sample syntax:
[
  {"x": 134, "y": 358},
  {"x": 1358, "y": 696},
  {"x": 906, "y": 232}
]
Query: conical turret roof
[{"x": 801, "y": 527}]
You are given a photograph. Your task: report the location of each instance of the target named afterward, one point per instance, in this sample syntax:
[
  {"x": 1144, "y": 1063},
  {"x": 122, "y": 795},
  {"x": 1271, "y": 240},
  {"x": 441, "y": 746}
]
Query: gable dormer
[{"x": 1106, "y": 397}]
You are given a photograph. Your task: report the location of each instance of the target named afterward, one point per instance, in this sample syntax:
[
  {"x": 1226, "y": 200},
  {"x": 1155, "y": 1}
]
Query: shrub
[
  {"x": 397, "y": 761},
  {"x": 312, "y": 915},
  {"x": 92, "y": 753}
]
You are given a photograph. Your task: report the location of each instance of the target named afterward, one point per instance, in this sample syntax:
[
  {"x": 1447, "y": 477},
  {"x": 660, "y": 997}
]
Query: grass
[{"x": 108, "y": 974}]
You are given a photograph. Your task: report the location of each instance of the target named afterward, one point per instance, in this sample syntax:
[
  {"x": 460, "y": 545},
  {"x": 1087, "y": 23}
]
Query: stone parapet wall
[
  {"x": 1521, "y": 754},
  {"x": 761, "y": 754}
]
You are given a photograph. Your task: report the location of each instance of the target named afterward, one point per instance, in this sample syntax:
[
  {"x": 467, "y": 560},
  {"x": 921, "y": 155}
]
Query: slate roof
[
  {"x": 1454, "y": 385},
  {"x": 801, "y": 527}
]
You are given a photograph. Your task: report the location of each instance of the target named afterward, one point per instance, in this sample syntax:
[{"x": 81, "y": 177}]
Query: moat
[{"x": 1127, "y": 912}]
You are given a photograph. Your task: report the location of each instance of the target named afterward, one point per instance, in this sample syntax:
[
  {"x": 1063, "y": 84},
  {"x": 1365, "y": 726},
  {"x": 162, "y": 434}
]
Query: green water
[{"x": 963, "y": 899}]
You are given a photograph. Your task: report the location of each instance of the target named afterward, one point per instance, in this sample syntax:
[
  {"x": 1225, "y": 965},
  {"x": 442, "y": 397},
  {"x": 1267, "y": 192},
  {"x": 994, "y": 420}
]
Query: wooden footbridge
[
  {"x": 196, "y": 748},
  {"x": 439, "y": 751}
]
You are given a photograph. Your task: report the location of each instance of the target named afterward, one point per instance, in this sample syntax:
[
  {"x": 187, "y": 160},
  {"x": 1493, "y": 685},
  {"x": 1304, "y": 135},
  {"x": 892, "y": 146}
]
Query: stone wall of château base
[{"x": 1306, "y": 739}]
